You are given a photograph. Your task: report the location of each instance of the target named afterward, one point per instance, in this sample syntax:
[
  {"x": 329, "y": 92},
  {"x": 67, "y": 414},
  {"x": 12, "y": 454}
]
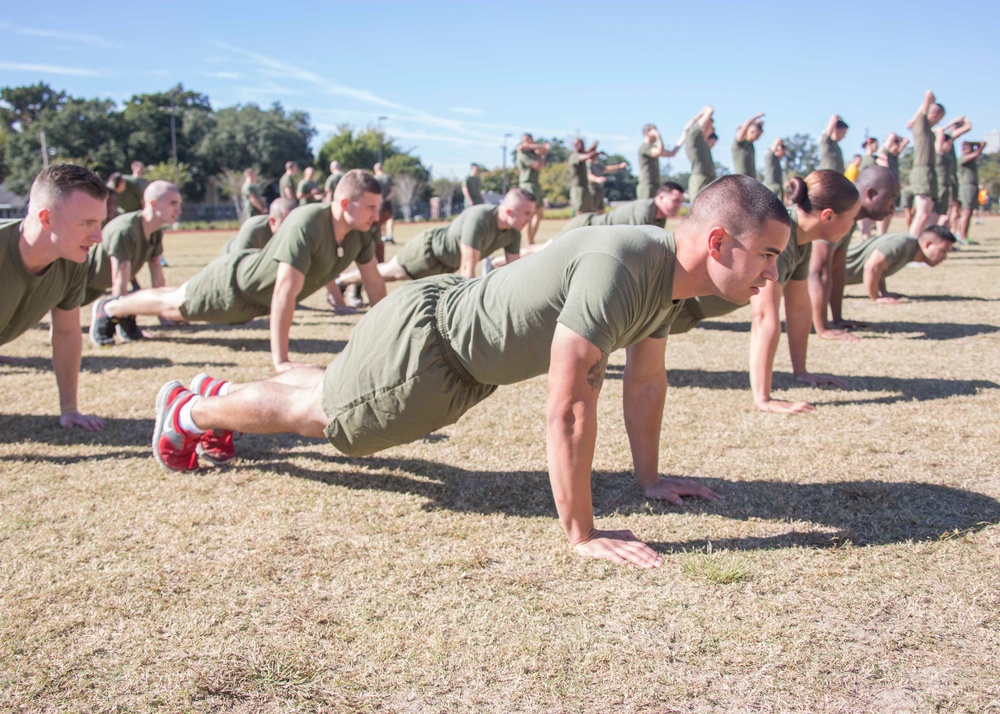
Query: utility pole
[
  {"x": 173, "y": 131},
  {"x": 45, "y": 149},
  {"x": 378, "y": 131}
]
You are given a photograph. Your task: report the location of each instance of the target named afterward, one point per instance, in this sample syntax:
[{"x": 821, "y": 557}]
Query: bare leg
[
  {"x": 164, "y": 302},
  {"x": 963, "y": 223},
  {"x": 390, "y": 272},
  {"x": 923, "y": 214},
  {"x": 536, "y": 220},
  {"x": 288, "y": 403},
  {"x": 389, "y": 225}
]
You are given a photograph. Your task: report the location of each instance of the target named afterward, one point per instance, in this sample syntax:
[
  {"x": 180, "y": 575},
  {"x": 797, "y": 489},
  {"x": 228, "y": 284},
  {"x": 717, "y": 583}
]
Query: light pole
[
  {"x": 378, "y": 130},
  {"x": 503, "y": 175}
]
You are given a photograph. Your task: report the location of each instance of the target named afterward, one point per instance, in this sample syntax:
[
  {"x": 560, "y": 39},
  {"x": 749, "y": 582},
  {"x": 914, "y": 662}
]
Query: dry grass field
[{"x": 853, "y": 566}]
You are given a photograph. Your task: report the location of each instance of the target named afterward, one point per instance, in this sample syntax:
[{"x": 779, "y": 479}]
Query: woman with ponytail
[{"x": 823, "y": 207}]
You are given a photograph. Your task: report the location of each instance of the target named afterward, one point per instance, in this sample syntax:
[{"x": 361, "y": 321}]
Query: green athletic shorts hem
[
  {"x": 398, "y": 379},
  {"x": 417, "y": 258},
  {"x": 923, "y": 181},
  {"x": 968, "y": 196},
  {"x": 214, "y": 296},
  {"x": 947, "y": 194},
  {"x": 906, "y": 197},
  {"x": 580, "y": 200}
]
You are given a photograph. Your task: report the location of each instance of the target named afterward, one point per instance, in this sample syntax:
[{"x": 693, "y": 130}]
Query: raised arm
[
  {"x": 964, "y": 126},
  {"x": 831, "y": 124},
  {"x": 972, "y": 155},
  {"x": 576, "y": 373},
  {"x": 741, "y": 132},
  {"x": 925, "y": 106}
]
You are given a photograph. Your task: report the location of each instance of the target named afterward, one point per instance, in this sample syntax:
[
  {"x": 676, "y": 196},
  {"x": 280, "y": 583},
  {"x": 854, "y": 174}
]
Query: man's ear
[
  {"x": 716, "y": 237},
  {"x": 45, "y": 218}
]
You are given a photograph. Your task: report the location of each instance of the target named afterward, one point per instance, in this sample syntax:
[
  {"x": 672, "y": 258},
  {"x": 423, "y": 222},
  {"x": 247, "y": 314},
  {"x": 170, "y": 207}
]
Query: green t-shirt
[
  {"x": 130, "y": 199},
  {"x": 305, "y": 189},
  {"x": 287, "y": 181},
  {"x": 254, "y": 235},
  {"x": 385, "y": 181},
  {"x": 649, "y": 166},
  {"x": 923, "y": 142},
  {"x": 698, "y": 153},
  {"x": 577, "y": 170},
  {"x": 331, "y": 182},
  {"x": 946, "y": 166},
  {"x": 611, "y": 285},
  {"x": 477, "y": 228},
  {"x": 124, "y": 239},
  {"x": 527, "y": 176},
  {"x": 968, "y": 173},
  {"x": 830, "y": 155},
  {"x": 25, "y": 298},
  {"x": 744, "y": 158},
  {"x": 634, "y": 213},
  {"x": 898, "y": 249},
  {"x": 474, "y": 186},
  {"x": 867, "y": 161},
  {"x": 892, "y": 163},
  {"x": 773, "y": 177},
  {"x": 248, "y": 190},
  {"x": 305, "y": 241}
]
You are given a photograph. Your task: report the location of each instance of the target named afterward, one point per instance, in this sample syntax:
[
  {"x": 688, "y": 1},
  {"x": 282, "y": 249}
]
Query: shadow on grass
[
  {"x": 259, "y": 342},
  {"x": 103, "y": 362},
  {"x": 863, "y": 512},
  {"x": 45, "y": 429},
  {"x": 723, "y": 326},
  {"x": 916, "y": 389},
  {"x": 930, "y": 331}
]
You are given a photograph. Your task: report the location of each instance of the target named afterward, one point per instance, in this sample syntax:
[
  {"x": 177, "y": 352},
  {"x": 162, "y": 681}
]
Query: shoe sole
[
  {"x": 94, "y": 314},
  {"x": 208, "y": 457},
  {"x": 161, "y": 400}
]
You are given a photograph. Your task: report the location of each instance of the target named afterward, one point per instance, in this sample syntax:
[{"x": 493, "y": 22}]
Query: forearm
[
  {"x": 873, "y": 282},
  {"x": 67, "y": 348},
  {"x": 282, "y": 312},
  {"x": 765, "y": 332},
  {"x": 571, "y": 435},
  {"x": 643, "y": 405},
  {"x": 121, "y": 277},
  {"x": 156, "y": 276},
  {"x": 797, "y": 324}
]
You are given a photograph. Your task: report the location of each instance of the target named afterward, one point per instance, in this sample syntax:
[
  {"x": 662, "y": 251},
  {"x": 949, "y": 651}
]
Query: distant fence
[
  {"x": 208, "y": 212},
  {"x": 8, "y": 210}
]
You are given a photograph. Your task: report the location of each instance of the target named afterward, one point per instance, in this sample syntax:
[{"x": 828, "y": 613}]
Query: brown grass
[{"x": 852, "y": 566}]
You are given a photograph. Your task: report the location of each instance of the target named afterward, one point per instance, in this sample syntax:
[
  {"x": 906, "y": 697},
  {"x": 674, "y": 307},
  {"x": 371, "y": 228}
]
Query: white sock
[
  {"x": 224, "y": 389},
  {"x": 187, "y": 423}
]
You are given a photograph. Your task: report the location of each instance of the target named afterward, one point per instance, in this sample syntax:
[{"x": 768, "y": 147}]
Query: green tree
[
  {"x": 989, "y": 173},
  {"x": 621, "y": 184},
  {"x": 88, "y": 132},
  {"x": 801, "y": 155},
  {"x": 554, "y": 178},
  {"x": 20, "y": 106},
  {"x": 411, "y": 179},
  {"x": 243, "y": 136},
  {"x": 447, "y": 190},
  {"x": 356, "y": 151},
  {"x": 492, "y": 180},
  {"x": 178, "y": 174}
]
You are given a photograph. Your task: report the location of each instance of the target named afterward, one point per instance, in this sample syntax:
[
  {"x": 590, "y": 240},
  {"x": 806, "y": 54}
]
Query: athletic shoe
[
  {"x": 127, "y": 330},
  {"x": 174, "y": 448},
  {"x": 353, "y": 296},
  {"x": 388, "y": 239},
  {"x": 102, "y": 325},
  {"x": 488, "y": 266},
  {"x": 163, "y": 262},
  {"x": 216, "y": 446}
]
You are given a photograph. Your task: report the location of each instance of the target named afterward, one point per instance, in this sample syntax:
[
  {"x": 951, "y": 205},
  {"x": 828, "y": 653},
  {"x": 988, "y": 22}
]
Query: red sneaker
[
  {"x": 173, "y": 447},
  {"x": 216, "y": 446}
]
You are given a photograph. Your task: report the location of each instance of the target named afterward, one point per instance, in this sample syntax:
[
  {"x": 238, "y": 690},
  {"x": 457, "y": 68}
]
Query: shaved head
[
  {"x": 879, "y": 189},
  {"x": 157, "y": 190},
  {"x": 740, "y": 204},
  {"x": 281, "y": 207}
]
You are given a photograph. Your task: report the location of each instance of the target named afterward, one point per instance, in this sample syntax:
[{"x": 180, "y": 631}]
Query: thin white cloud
[
  {"x": 468, "y": 111},
  {"x": 222, "y": 75},
  {"x": 52, "y": 69},
  {"x": 80, "y": 37}
]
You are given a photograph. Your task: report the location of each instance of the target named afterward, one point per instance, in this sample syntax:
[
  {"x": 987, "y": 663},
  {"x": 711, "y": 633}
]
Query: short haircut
[
  {"x": 740, "y": 204},
  {"x": 713, "y": 135},
  {"x": 158, "y": 189},
  {"x": 940, "y": 106},
  {"x": 281, "y": 207},
  {"x": 522, "y": 194},
  {"x": 646, "y": 128},
  {"x": 355, "y": 183},
  {"x": 289, "y": 165},
  {"x": 58, "y": 181},
  {"x": 841, "y": 124},
  {"x": 940, "y": 233},
  {"x": 668, "y": 187}
]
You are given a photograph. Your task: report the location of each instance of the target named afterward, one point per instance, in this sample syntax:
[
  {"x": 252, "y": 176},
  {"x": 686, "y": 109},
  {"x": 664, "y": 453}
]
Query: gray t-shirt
[
  {"x": 477, "y": 228},
  {"x": 254, "y": 235},
  {"x": 611, "y": 285},
  {"x": 897, "y": 248},
  {"x": 830, "y": 155}
]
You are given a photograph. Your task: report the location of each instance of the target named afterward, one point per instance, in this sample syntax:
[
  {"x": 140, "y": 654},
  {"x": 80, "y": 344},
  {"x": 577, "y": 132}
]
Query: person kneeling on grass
[
  {"x": 312, "y": 246},
  {"x": 872, "y": 261},
  {"x": 437, "y": 347}
]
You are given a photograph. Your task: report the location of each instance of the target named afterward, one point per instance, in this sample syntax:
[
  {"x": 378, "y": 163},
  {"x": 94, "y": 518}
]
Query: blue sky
[{"x": 454, "y": 77}]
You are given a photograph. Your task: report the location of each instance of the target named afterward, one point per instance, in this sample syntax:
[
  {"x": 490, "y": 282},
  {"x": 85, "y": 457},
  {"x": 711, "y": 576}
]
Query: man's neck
[
  {"x": 690, "y": 276},
  {"x": 34, "y": 247},
  {"x": 340, "y": 226},
  {"x": 150, "y": 224}
]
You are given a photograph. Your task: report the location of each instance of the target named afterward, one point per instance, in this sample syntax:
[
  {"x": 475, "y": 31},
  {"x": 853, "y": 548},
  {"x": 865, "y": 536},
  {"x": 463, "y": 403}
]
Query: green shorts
[
  {"x": 213, "y": 295},
  {"x": 536, "y": 191},
  {"x": 968, "y": 196},
  {"x": 417, "y": 258},
  {"x": 580, "y": 200},
  {"x": 398, "y": 379},
  {"x": 923, "y": 181},
  {"x": 597, "y": 196},
  {"x": 906, "y": 197},
  {"x": 645, "y": 190},
  {"x": 947, "y": 194}
]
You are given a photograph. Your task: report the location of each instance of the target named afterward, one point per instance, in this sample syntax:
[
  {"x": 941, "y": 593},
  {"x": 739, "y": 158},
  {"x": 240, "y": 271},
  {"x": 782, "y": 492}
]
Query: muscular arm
[
  {"x": 121, "y": 276},
  {"x": 798, "y": 320},
  {"x": 874, "y": 269},
  {"x": 287, "y": 286},
  {"x": 67, "y": 346},
  {"x": 156, "y": 276},
  {"x": 372, "y": 280},
  {"x": 576, "y": 374},
  {"x": 765, "y": 331},
  {"x": 924, "y": 107},
  {"x": 831, "y": 125}
]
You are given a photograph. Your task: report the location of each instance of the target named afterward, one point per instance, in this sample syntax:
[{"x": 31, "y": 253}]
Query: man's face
[
  {"x": 711, "y": 141},
  {"x": 517, "y": 213},
  {"x": 362, "y": 213},
  {"x": 137, "y": 168},
  {"x": 669, "y": 203},
  {"x": 294, "y": 169},
  {"x": 740, "y": 268},
  {"x": 779, "y": 151},
  {"x": 474, "y": 170},
  {"x": 754, "y": 132},
  {"x": 167, "y": 208},
  {"x": 935, "y": 114},
  {"x": 252, "y": 176},
  {"x": 839, "y": 133},
  {"x": 935, "y": 249},
  {"x": 75, "y": 224},
  {"x": 308, "y": 174}
]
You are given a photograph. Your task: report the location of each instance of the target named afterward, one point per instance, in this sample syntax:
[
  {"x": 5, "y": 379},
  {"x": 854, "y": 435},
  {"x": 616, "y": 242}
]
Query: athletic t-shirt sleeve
[
  {"x": 296, "y": 249},
  {"x": 367, "y": 251},
  {"x": 601, "y": 299},
  {"x": 514, "y": 244},
  {"x": 157, "y": 243},
  {"x": 474, "y": 228},
  {"x": 76, "y": 289},
  {"x": 800, "y": 271}
]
